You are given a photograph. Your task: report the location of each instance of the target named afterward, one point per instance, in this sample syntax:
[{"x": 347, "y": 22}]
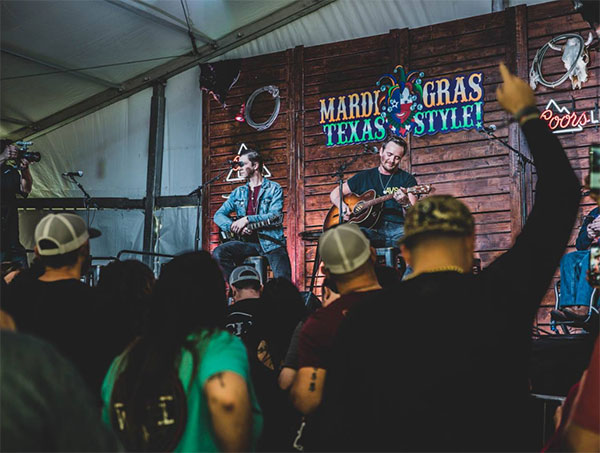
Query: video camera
[{"x": 24, "y": 152}]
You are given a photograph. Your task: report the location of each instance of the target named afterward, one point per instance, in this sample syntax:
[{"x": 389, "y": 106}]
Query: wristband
[{"x": 526, "y": 111}]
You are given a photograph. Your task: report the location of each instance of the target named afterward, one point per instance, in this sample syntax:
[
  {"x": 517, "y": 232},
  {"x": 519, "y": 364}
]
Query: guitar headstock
[{"x": 421, "y": 189}]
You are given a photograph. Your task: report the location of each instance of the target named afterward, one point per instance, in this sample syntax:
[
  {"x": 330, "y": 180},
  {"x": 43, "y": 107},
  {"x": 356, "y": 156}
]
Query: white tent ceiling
[{"x": 44, "y": 41}]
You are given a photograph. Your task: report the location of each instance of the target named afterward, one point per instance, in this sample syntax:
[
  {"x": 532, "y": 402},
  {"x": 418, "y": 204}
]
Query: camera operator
[{"x": 15, "y": 179}]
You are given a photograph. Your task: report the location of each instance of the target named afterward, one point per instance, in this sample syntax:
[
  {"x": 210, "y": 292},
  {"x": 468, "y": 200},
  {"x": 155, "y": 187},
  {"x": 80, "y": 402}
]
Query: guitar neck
[
  {"x": 389, "y": 196},
  {"x": 377, "y": 200},
  {"x": 263, "y": 223}
]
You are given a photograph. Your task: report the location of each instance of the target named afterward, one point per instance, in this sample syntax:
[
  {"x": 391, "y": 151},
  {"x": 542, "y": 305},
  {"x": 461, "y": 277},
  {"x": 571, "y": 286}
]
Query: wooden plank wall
[
  {"x": 544, "y": 22},
  {"x": 222, "y": 135},
  {"x": 480, "y": 172}
]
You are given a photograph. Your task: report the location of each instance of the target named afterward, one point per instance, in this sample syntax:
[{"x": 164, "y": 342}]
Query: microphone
[
  {"x": 368, "y": 149},
  {"x": 233, "y": 163},
  {"x": 70, "y": 174},
  {"x": 488, "y": 129}
]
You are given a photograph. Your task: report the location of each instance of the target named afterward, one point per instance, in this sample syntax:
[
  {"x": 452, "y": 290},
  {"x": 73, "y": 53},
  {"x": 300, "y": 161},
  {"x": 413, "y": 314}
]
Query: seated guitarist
[
  {"x": 258, "y": 200},
  {"x": 385, "y": 178}
]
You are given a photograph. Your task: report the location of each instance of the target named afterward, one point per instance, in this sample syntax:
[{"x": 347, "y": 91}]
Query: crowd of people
[{"x": 207, "y": 358}]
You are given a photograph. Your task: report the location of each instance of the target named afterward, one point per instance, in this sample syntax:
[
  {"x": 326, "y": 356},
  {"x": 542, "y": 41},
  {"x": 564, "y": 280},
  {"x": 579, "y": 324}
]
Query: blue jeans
[
  {"x": 233, "y": 253},
  {"x": 386, "y": 234},
  {"x": 574, "y": 288}
]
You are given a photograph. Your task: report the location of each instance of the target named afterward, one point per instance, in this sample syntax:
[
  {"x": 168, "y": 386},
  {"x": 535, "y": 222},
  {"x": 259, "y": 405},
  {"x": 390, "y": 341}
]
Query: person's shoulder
[
  {"x": 73, "y": 286},
  {"x": 238, "y": 190},
  {"x": 594, "y": 212},
  {"x": 221, "y": 340},
  {"x": 250, "y": 306},
  {"x": 39, "y": 353},
  {"x": 270, "y": 183},
  {"x": 313, "y": 320},
  {"x": 405, "y": 175}
]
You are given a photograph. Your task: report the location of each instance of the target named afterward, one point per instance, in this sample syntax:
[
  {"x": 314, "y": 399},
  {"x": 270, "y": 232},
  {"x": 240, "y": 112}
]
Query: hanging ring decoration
[
  {"x": 535, "y": 74},
  {"x": 274, "y": 91}
]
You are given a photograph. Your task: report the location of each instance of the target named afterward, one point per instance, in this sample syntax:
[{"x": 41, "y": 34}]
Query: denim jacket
[{"x": 270, "y": 205}]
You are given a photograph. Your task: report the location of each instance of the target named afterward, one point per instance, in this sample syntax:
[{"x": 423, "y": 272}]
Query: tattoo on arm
[{"x": 313, "y": 378}]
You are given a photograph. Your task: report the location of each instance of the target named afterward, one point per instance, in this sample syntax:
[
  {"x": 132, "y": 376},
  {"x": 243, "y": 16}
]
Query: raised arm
[
  {"x": 527, "y": 268},
  {"x": 230, "y": 410}
]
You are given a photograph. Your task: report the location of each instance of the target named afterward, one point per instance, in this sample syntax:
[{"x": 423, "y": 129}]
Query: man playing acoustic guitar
[
  {"x": 259, "y": 201},
  {"x": 385, "y": 179}
]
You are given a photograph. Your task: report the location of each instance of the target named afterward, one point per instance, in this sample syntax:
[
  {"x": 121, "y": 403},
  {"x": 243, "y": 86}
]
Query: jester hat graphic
[{"x": 401, "y": 98}]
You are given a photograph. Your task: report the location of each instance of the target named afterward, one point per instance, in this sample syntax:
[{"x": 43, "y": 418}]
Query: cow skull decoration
[{"x": 574, "y": 57}]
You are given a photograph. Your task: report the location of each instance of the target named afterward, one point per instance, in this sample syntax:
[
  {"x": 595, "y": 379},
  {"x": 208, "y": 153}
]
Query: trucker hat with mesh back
[
  {"x": 242, "y": 273},
  {"x": 344, "y": 248},
  {"x": 57, "y": 234}
]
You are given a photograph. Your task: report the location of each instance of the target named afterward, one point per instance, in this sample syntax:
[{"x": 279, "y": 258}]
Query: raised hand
[{"x": 514, "y": 94}]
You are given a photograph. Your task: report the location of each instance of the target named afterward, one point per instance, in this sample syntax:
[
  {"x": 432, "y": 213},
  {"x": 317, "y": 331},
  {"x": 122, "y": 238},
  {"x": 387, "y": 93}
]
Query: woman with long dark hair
[{"x": 184, "y": 385}]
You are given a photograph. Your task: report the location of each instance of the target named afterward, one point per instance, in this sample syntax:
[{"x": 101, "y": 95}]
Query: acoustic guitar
[
  {"x": 365, "y": 209},
  {"x": 227, "y": 236}
]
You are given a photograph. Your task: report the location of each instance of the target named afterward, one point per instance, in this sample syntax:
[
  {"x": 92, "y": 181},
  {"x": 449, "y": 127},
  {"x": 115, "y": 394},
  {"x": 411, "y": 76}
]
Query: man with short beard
[
  {"x": 386, "y": 178},
  {"x": 259, "y": 200}
]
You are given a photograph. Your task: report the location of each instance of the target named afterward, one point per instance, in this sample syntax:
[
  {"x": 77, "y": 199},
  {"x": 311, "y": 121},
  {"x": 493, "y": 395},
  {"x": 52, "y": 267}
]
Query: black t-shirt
[
  {"x": 67, "y": 314},
  {"x": 246, "y": 319},
  {"x": 383, "y": 185},
  {"x": 10, "y": 180},
  {"x": 243, "y": 320},
  {"x": 454, "y": 375}
]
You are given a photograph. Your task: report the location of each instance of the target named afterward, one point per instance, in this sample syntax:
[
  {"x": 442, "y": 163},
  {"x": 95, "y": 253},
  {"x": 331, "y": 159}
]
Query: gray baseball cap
[
  {"x": 242, "y": 273},
  {"x": 57, "y": 234},
  {"x": 344, "y": 248}
]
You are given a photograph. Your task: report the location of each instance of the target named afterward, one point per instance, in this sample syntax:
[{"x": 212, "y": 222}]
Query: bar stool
[{"x": 260, "y": 264}]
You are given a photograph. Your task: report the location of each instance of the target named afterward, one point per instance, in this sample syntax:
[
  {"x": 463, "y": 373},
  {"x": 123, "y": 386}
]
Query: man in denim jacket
[{"x": 259, "y": 200}]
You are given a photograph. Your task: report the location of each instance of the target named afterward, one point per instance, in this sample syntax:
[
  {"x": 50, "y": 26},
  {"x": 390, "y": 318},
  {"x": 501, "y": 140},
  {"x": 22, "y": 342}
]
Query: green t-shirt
[{"x": 217, "y": 353}]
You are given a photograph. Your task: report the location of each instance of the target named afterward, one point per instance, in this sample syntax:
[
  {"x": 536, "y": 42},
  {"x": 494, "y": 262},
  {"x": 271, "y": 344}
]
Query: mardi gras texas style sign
[{"x": 404, "y": 103}]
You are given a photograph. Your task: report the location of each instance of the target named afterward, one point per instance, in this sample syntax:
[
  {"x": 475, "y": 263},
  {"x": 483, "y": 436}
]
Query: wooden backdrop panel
[{"x": 482, "y": 173}]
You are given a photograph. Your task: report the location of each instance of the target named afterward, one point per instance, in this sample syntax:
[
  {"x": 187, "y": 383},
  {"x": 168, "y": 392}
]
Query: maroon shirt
[
  {"x": 320, "y": 328},
  {"x": 252, "y": 208}
]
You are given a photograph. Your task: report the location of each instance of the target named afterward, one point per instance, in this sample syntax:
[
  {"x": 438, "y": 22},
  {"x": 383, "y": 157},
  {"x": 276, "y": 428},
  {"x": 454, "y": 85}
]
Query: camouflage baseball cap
[{"x": 438, "y": 213}]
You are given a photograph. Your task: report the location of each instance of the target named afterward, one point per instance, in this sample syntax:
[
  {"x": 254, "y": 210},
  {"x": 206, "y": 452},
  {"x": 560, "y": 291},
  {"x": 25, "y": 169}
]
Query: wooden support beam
[
  {"x": 520, "y": 172},
  {"x": 296, "y": 200}
]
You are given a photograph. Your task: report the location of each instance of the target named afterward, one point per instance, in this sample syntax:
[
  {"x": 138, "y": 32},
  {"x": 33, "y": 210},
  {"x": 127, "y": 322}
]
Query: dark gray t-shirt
[
  {"x": 383, "y": 185},
  {"x": 291, "y": 357},
  {"x": 45, "y": 404}
]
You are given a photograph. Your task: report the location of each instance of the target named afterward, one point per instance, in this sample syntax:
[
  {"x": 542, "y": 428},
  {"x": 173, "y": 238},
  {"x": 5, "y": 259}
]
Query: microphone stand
[
  {"x": 87, "y": 199},
  {"x": 339, "y": 174},
  {"x": 198, "y": 193},
  {"x": 522, "y": 161}
]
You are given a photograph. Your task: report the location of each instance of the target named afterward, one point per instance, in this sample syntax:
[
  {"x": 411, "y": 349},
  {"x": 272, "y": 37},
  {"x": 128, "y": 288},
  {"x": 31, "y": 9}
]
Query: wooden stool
[{"x": 260, "y": 263}]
